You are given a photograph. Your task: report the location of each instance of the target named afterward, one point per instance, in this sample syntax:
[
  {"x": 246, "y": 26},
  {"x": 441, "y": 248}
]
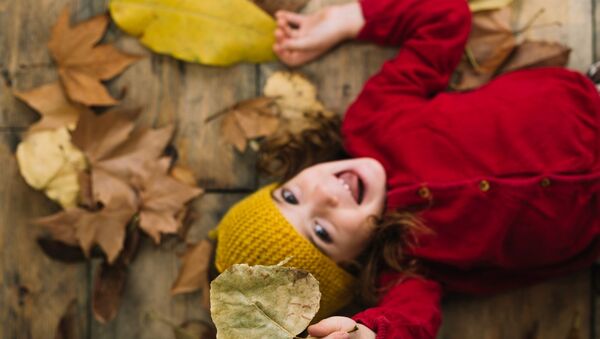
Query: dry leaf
[
  {"x": 55, "y": 108},
  {"x": 193, "y": 273},
  {"x": 486, "y": 5},
  {"x": 60, "y": 251},
  {"x": 272, "y": 6},
  {"x": 490, "y": 44},
  {"x": 108, "y": 290},
  {"x": 538, "y": 54},
  {"x": 82, "y": 64},
  {"x": 49, "y": 161},
  {"x": 263, "y": 301},
  {"x": 492, "y": 39},
  {"x": 116, "y": 153},
  {"x": 106, "y": 227},
  {"x": 296, "y": 98},
  {"x": 210, "y": 32},
  {"x": 249, "y": 119},
  {"x": 183, "y": 174},
  {"x": 162, "y": 197}
]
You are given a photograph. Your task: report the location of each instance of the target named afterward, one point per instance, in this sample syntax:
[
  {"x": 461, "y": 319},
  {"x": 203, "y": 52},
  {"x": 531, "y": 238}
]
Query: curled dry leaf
[
  {"x": 263, "y": 301},
  {"x": 272, "y": 6},
  {"x": 492, "y": 40},
  {"x": 60, "y": 251},
  {"x": 82, "y": 64},
  {"x": 162, "y": 198},
  {"x": 49, "y": 161},
  {"x": 193, "y": 274},
  {"x": 209, "y": 32},
  {"x": 55, "y": 108},
  {"x": 249, "y": 119}
]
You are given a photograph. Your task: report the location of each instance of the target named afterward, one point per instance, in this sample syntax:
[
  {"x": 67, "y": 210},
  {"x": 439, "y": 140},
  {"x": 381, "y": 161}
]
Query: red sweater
[{"x": 507, "y": 176}]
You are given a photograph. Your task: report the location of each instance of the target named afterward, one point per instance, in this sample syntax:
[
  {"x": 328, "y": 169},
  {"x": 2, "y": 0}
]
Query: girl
[{"x": 505, "y": 177}]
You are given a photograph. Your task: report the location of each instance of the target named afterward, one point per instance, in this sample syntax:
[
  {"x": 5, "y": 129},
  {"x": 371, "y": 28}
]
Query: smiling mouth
[{"x": 354, "y": 184}]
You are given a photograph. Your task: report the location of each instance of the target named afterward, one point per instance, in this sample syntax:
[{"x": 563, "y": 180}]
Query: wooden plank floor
[{"x": 35, "y": 291}]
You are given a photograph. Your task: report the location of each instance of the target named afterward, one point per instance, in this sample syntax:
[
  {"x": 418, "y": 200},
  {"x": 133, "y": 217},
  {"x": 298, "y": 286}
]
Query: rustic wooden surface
[{"x": 35, "y": 291}]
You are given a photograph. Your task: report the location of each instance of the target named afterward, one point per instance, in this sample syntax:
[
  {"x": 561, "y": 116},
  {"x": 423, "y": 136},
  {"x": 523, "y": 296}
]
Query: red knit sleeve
[
  {"x": 409, "y": 310},
  {"x": 432, "y": 34}
]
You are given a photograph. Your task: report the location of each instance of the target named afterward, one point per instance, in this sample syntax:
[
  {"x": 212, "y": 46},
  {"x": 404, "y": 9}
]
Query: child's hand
[
  {"x": 301, "y": 38},
  {"x": 340, "y": 328}
]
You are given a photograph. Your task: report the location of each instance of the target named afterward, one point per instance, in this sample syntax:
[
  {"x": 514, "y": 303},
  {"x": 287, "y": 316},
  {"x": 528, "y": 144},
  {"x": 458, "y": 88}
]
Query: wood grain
[
  {"x": 543, "y": 311},
  {"x": 34, "y": 290},
  {"x": 150, "y": 278},
  {"x": 569, "y": 22}
]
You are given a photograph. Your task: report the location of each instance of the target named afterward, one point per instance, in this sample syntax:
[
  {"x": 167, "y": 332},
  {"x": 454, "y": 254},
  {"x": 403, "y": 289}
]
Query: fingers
[
  {"x": 331, "y": 325},
  {"x": 290, "y": 17}
]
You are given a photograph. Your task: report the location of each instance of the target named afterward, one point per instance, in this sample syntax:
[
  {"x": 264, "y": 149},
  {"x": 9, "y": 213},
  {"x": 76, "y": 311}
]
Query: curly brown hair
[{"x": 285, "y": 154}]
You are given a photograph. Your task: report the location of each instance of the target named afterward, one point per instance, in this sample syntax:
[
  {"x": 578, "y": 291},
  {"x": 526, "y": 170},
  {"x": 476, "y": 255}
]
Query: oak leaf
[
  {"x": 249, "y": 119},
  {"x": 82, "y": 64},
  {"x": 162, "y": 198},
  {"x": 55, "y": 108},
  {"x": 193, "y": 274},
  {"x": 208, "y": 32},
  {"x": 263, "y": 301}
]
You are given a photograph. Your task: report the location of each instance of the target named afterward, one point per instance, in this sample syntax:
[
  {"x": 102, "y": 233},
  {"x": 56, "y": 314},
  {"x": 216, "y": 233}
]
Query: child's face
[{"x": 331, "y": 203}]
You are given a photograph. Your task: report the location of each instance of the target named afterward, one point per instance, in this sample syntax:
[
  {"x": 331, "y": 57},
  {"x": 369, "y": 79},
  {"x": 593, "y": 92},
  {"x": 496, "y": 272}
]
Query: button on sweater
[{"x": 507, "y": 176}]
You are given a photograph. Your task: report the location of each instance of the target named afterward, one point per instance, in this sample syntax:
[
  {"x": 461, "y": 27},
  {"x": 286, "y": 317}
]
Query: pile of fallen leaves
[
  {"x": 495, "y": 48},
  {"x": 112, "y": 179}
]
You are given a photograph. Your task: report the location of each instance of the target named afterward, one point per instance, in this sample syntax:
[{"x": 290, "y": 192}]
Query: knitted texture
[{"x": 255, "y": 232}]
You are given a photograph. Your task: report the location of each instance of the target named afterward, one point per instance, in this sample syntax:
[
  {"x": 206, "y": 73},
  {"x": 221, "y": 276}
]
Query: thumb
[{"x": 330, "y": 325}]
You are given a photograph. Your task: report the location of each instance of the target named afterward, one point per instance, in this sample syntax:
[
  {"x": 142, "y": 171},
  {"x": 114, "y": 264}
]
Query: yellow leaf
[
  {"x": 49, "y": 161},
  {"x": 216, "y": 33},
  {"x": 485, "y": 5}
]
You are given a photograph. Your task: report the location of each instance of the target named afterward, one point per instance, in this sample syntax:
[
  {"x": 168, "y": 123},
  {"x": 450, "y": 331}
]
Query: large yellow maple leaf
[{"x": 216, "y": 33}]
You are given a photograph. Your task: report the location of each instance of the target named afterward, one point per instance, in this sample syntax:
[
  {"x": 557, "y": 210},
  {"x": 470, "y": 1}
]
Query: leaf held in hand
[
  {"x": 82, "y": 64},
  {"x": 216, "y": 33},
  {"x": 263, "y": 301}
]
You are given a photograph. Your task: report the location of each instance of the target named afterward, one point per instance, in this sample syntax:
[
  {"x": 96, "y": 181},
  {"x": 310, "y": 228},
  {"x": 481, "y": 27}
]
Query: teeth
[{"x": 343, "y": 183}]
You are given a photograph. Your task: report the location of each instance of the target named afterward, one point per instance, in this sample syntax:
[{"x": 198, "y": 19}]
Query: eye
[
  {"x": 288, "y": 196},
  {"x": 322, "y": 233}
]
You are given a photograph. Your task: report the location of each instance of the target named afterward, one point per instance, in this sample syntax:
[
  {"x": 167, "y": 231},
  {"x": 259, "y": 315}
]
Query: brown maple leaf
[
  {"x": 272, "y": 6},
  {"x": 162, "y": 198},
  {"x": 249, "y": 119},
  {"x": 193, "y": 273},
  {"x": 116, "y": 152},
  {"x": 55, "y": 108},
  {"x": 82, "y": 64},
  {"x": 106, "y": 227}
]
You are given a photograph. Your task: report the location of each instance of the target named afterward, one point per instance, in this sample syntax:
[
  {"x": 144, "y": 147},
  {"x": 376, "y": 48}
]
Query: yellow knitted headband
[{"x": 256, "y": 233}]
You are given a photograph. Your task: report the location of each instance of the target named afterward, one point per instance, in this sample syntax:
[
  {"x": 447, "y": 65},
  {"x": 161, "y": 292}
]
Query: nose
[{"x": 325, "y": 197}]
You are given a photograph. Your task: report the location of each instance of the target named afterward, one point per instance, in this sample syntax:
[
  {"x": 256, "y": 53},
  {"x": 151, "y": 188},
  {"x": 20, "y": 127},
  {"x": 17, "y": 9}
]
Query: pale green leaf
[
  {"x": 210, "y": 32},
  {"x": 263, "y": 301}
]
